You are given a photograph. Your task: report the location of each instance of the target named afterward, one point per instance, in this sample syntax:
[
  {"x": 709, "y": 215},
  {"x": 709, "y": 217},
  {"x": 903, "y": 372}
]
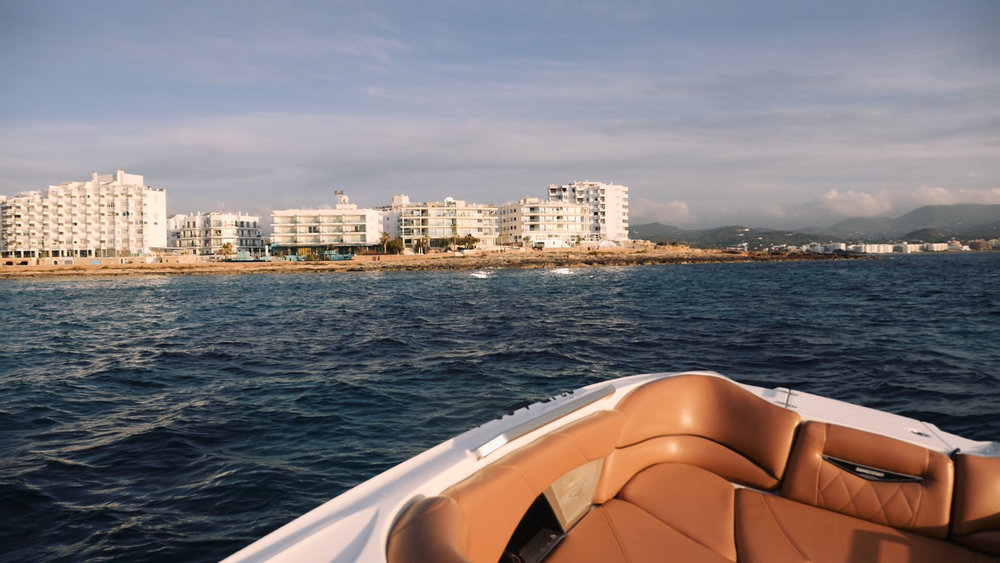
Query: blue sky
[{"x": 776, "y": 113}]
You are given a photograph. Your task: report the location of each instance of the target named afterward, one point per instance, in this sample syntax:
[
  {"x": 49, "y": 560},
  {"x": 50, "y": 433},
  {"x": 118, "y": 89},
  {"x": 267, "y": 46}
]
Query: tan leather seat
[
  {"x": 671, "y": 452},
  {"x": 772, "y": 529},
  {"x": 975, "y": 519},
  {"x": 669, "y": 509},
  {"x": 474, "y": 520},
  {"x": 619, "y": 531},
  {"x": 695, "y": 502},
  {"x": 848, "y": 496},
  {"x": 682, "y": 440},
  {"x": 914, "y": 493},
  {"x": 704, "y": 421}
]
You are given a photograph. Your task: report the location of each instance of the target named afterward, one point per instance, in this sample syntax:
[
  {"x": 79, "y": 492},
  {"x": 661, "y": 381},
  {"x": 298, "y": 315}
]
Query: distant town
[
  {"x": 116, "y": 218},
  {"x": 112, "y": 217}
]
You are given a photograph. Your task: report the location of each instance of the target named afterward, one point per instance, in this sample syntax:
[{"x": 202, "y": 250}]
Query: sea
[{"x": 179, "y": 418}]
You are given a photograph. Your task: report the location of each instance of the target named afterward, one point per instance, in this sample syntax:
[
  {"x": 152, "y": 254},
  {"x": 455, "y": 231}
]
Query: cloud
[
  {"x": 938, "y": 195},
  {"x": 855, "y": 204},
  {"x": 643, "y": 210},
  {"x": 734, "y": 170}
]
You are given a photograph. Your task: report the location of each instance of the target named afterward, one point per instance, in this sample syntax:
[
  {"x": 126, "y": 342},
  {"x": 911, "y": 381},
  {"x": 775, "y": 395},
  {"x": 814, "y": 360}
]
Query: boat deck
[
  {"x": 685, "y": 467},
  {"x": 696, "y": 468}
]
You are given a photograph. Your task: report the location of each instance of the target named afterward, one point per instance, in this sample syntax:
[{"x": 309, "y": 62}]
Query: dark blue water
[{"x": 180, "y": 418}]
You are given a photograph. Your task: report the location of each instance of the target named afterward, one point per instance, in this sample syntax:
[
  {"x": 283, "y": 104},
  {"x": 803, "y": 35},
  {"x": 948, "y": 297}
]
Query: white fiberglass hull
[{"x": 355, "y": 526}]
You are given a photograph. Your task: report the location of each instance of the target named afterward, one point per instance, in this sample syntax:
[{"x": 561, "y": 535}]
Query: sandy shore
[{"x": 445, "y": 261}]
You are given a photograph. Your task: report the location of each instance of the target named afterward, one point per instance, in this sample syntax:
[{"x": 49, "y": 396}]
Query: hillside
[
  {"x": 929, "y": 234},
  {"x": 961, "y": 219},
  {"x": 932, "y": 223}
]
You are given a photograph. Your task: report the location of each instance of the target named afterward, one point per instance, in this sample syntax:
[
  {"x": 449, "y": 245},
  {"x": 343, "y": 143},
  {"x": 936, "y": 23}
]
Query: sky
[{"x": 779, "y": 113}]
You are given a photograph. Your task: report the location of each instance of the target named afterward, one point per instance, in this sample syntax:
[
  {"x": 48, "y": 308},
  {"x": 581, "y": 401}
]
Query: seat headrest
[{"x": 713, "y": 408}]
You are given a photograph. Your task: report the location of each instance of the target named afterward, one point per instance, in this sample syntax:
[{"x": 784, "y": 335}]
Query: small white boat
[{"x": 682, "y": 467}]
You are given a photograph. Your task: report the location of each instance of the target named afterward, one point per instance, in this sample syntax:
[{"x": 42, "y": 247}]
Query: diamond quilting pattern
[{"x": 893, "y": 504}]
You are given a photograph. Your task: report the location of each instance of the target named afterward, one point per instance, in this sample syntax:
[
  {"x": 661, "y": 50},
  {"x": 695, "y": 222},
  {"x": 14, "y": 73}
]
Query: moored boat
[{"x": 687, "y": 467}]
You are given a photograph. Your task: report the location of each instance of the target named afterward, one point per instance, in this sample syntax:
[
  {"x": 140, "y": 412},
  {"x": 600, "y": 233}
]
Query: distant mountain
[
  {"x": 864, "y": 227},
  {"x": 932, "y": 223},
  {"x": 657, "y": 232},
  {"x": 961, "y": 219},
  {"x": 990, "y": 231},
  {"x": 930, "y": 234}
]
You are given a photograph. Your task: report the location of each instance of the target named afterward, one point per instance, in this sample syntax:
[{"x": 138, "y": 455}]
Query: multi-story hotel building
[
  {"x": 305, "y": 232},
  {"x": 545, "y": 224},
  {"x": 438, "y": 225},
  {"x": 208, "y": 233},
  {"x": 107, "y": 216},
  {"x": 608, "y": 205}
]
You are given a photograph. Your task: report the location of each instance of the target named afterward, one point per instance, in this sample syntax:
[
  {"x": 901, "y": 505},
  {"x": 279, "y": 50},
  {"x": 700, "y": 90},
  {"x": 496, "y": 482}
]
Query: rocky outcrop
[{"x": 444, "y": 261}]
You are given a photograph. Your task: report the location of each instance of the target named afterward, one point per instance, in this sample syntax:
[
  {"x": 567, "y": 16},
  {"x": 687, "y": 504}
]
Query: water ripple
[{"x": 181, "y": 418}]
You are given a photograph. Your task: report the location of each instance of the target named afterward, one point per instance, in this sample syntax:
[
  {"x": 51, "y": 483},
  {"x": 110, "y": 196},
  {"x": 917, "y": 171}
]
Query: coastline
[{"x": 561, "y": 258}]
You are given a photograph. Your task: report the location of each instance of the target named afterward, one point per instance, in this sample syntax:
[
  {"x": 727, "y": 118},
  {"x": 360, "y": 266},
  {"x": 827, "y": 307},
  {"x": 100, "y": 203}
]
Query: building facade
[
  {"x": 608, "y": 206},
  {"x": 544, "y": 224},
  {"x": 109, "y": 215},
  {"x": 311, "y": 232},
  {"x": 440, "y": 225},
  {"x": 209, "y": 233}
]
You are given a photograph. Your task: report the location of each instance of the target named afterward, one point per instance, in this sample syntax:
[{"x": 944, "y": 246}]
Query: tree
[
  {"x": 384, "y": 240},
  {"x": 227, "y": 250},
  {"x": 467, "y": 242},
  {"x": 395, "y": 246}
]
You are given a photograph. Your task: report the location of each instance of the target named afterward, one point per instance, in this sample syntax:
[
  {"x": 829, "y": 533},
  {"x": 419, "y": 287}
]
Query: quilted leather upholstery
[
  {"x": 772, "y": 529},
  {"x": 921, "y": 507}
]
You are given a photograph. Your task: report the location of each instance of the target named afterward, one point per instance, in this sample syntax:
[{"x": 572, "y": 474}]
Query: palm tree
[
  {"x": 227, "y": 250},
  {"x": 384, "y": 240}
]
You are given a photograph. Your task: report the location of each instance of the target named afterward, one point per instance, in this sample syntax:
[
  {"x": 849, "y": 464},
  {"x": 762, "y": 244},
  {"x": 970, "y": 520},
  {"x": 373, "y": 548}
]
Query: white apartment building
[
  {"x": 871, "y": 248},
  {"x": 307, "y": 232},
  {"x": 107, "y": 216},
  {"x": 208, "y": 233},
  {"x": 533, "y": 222},
  {"x": 440, "y": 224},
  {"x": 608, "y": 205}
]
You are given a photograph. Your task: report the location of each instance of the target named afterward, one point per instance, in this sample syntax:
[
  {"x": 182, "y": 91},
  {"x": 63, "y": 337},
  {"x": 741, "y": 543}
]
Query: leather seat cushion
[
  {"x": 620, "y": 532},
  {"x": 695, "y": 502},
  {"x": 670, "y": 510},
  {"x": 773, "y": 529}
]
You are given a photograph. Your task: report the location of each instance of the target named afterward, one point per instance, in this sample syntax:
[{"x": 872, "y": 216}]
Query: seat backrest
[
  {"x": 701, "y": 420},
  {"x": 475, "y": 519},
  {"x": 975, "y": 515},
  {"x": 872, "y": 477}
]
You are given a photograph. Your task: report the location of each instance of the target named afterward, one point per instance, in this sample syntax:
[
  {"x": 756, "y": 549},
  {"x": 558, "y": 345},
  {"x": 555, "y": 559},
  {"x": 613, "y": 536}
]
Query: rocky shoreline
[{"x": 443, "y": 261}]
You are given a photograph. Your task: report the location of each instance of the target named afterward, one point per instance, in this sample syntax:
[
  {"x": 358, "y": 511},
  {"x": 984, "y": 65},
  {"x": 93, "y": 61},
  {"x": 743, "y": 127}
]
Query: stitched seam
[
  {"x": 920, "y": 491},
  {"x": 614, "y": 532},
  {"x": 681, "y": 532},
  {"x": 752, "y": 461},
  {"x": 774, "y": 516},
  {"x": 819, "y": 469}
]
